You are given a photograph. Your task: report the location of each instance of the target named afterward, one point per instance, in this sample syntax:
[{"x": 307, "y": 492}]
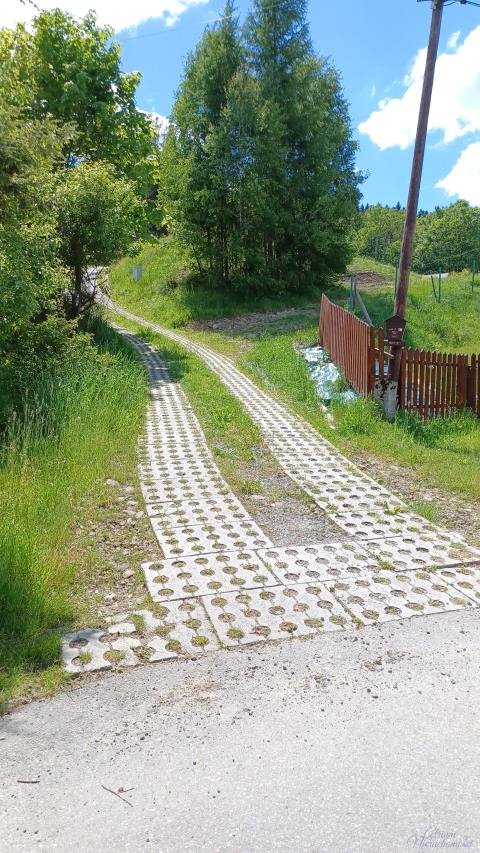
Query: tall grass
[
  {"x": 451, "y": 325},
  {"x": 53, "y": 461},
  {"x": 168, "y": 292}
]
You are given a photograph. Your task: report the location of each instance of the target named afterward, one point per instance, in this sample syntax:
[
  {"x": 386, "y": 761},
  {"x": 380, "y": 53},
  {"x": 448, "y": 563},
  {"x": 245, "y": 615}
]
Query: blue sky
[{"x": 377, "y": 47}]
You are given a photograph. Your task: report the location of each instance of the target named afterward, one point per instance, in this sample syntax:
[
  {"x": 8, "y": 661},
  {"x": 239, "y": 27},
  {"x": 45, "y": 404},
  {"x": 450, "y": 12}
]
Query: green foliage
[
  {"x": 63, "y": 101},
  {"x": 379, "y": 233},
  {"x": 257, "y": 171},
  {"x": 305, "y": 153},
  {"x": 195, "y": 183},
  {"x": 100, "y": 218},
  {"x": 69, "y": 70},
  {"x": 274, "y": 363},
  {"x": 169, "y": 294},
  {"x": 32, "y": 330},
  {"x": 73, "y": 432},
  {"x": 447, "y": 239},
  {"x": 360, "y": 417}
]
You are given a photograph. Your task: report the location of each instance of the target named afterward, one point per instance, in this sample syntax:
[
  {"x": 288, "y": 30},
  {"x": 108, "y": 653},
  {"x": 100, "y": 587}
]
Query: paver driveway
[{"x": 222, "y": 582}]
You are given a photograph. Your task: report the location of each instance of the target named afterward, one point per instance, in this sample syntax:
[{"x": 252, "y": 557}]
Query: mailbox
[{"x": 395, "y": 327}]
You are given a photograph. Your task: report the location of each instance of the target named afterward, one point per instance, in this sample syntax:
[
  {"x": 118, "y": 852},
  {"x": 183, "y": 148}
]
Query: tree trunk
[{"x": 77, "y": 292}]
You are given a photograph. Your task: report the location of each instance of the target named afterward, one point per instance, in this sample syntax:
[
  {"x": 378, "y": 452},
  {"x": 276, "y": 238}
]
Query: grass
[
  {"x": 443, "y": 453},
  {"x": 169, "y": 294},
  {"x": 53, "y": 464},
  {"x": 452, "y": 325}
]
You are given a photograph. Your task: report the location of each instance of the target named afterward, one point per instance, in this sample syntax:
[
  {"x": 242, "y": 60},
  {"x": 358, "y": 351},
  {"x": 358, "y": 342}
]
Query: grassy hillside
[
  {"x": 452, "y": 325},
  {"x": 169, "y": 293}
]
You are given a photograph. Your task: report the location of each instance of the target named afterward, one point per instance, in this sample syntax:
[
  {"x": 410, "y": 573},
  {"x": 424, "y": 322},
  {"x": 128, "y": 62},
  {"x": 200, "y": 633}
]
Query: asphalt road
[{"x": 355, "y": 741}]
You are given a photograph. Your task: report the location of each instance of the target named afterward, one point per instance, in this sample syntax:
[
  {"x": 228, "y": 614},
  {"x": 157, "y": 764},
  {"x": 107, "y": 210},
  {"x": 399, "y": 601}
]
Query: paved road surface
[{"x": 348, "y": 742}]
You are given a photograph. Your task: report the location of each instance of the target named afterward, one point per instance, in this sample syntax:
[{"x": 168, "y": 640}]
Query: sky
[{"x": 379, "y": 48}]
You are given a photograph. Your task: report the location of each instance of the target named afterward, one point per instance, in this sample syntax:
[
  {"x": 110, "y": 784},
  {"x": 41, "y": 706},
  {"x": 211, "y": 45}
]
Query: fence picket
[
  {"x": 421, "y": 384},
  {"x": 444, "y": 383},
  {"x": 476, "y": 383},
  {"x": 438, "y": 384},
  {"x": 381, "y": 355}
]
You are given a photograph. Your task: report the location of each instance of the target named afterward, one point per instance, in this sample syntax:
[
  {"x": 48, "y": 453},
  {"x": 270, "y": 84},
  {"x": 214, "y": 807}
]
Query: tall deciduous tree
[
  {"x": 379, "y": 232},
  {"x": 100, "y": 218},
  {"x": 69, "y": 70},
  {"x": 448, "y": 239},
  {"x": 32, "y": 329}
]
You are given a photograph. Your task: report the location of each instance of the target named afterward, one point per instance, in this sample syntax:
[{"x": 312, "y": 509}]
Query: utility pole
[{"x": 416, "y": 176}]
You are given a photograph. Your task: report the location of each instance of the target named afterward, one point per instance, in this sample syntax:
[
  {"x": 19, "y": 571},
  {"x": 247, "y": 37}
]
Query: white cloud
[
  {"x": 464, "y": 179},
  {"x": 117, "y": 13},
  {"x": 453, "y": 40},
  {"x": 160, "y": 123},
  {"x": 455, "y": 108}
]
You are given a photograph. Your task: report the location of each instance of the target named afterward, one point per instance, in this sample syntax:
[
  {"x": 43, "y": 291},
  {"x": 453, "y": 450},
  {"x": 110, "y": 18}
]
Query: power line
[
  {"x": 452, "y": 2},
  {"x": 31, "y": 3},
  {"x": 165, "y": 31}
]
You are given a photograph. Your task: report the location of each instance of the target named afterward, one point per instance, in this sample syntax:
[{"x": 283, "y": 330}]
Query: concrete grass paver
[
  {"x": 223, "y": 582},
  {"x": 186, "y": 513},
  {"x": 464, "y": 578},
  {"x": 276, "y": 613},
  {"x": 203, "y": 539},
  {"x": 206, "y": 575},
  {"x": 421, "y": 550},
  {"x": 319, "y": 562},
  {"x": 380, "y": 598}
]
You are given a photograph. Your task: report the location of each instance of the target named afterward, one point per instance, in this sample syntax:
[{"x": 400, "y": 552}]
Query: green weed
[{"x": 53, "y": 464}]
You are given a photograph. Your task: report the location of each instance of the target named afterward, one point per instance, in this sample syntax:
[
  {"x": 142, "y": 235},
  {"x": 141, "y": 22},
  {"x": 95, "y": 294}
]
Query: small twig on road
[
  {"x": 28, "y": 781},
  {"x": 119, "y": 795}
]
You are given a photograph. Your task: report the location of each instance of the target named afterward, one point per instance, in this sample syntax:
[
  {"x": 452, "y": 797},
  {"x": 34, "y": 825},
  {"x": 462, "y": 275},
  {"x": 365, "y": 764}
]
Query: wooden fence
[
  {"x": 431, "y": 383},
  {"x": 348, "y": 342}
]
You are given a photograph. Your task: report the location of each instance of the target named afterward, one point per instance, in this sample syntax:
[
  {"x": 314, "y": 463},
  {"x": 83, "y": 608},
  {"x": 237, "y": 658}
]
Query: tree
[
  {"x": 33, "y": 331},
  {"x": 194, "y": 181},
  {"x": 379, "y": 233},
  {"x": 100, "y": 218},
  {"x": 69, "y": 70},
  {"x": 448, "y": 239},
  {"x": 264, "y": 187},
  {"x": 60, "y": 205},
  {"x": 306, "y": 155}
]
